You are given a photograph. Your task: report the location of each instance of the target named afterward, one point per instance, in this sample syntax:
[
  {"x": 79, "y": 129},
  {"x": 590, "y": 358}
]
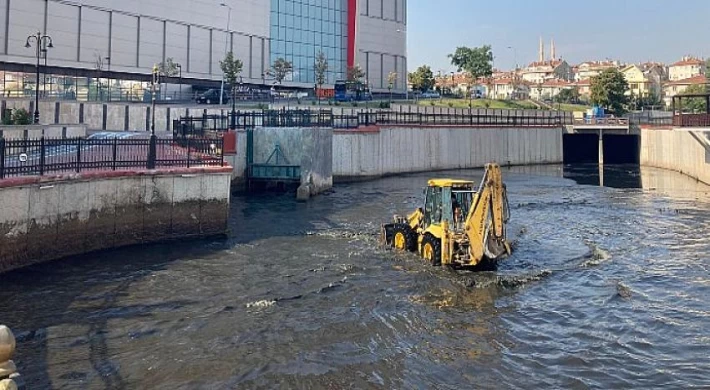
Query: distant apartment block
[{"x": 686, "y": 68}]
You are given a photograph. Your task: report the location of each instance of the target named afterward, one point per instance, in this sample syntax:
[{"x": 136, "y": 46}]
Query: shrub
[
  {"x": 7, "y": 118},
  {"x": 21, "y": 117},
  {"x": 450, "y": 104},
  {"x": 384, "y": 105}
]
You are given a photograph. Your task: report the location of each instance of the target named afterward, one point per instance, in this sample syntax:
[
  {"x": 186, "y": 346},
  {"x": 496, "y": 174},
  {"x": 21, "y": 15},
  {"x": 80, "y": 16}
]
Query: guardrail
[
  {"x": 202, "y": 125},
  {"x": 602, "y": 121},
  {"x": 691, "y": 120},
  {"x": 32, "y": 157}
]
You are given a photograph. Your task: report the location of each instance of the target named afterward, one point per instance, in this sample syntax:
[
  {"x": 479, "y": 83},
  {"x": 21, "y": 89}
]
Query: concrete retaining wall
[
  {"x": 687, "y": 152},
  {"x": 49, "y": 131},
  {"x": 311, "y": 148},
  {"x": 108, "y": 116},
  {"x": 48, "y": 218},
  {"x": 392, "y": 150}
]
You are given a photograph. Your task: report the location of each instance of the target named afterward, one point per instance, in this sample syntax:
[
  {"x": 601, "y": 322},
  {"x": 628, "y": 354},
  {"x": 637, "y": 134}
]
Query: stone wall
[
  {"x": 46, "y": 218},
  {"x": 687, "y": 152},
  {"x": 393, "y": 150}
]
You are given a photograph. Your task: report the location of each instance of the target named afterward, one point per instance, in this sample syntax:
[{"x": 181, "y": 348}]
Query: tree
[
  {"x": 609, "y": 91},
  {"x": 231, "y": 68},
  {"x": 422, "y": 79},
  {"x": 168, "y": 68},
  {"x": 356, "y": 73},
  {"x": 280, "y": 69},
  {"x": 321, "y": 69},
  {"x": 570, "y": 95},
  {"x": 477, "y": 61},
  {"x": 391, "y": 81},
  {"x": 694, "y": 104}
]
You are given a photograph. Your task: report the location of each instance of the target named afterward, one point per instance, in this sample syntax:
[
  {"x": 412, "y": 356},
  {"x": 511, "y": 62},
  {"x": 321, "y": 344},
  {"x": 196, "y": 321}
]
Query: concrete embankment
[
  {"x": 393, "y": 150},
  {"x": 46, "y": 218},
  {"x": 687, "y": 152}
]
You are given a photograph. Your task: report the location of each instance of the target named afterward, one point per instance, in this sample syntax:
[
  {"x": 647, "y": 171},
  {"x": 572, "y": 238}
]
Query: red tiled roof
[
  {"x": 699, "y": 79},
  {"x": 688, "y": 61}
]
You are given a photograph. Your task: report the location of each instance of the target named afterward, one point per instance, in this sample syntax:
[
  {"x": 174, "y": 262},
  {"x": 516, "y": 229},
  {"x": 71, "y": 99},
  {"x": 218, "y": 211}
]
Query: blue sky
[{"x": 627, "y": 30}]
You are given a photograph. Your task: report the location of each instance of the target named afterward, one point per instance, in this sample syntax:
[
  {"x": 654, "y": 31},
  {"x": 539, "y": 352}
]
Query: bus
[{"x": 351, "y": 91}]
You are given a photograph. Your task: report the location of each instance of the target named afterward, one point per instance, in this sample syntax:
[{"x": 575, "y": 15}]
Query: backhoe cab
[{"x": 458, "y": 225}]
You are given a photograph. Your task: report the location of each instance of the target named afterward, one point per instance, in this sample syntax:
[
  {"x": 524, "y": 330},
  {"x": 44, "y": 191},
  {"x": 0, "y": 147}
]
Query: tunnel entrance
[
  {"x": 580, "y": 148},
  {"x": 584, "y": 148},
  {"x": 622, "y": 149}
]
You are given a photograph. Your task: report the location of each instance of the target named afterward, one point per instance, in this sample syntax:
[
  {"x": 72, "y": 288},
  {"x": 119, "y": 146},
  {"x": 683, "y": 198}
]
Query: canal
[{"x": 607, "y": 288}]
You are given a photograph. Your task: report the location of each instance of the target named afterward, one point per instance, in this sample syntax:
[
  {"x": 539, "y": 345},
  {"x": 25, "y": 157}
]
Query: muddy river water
[{"x": 608, "y": 287}]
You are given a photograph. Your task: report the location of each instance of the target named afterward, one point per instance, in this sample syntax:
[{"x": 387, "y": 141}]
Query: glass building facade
[{"x": 300, "y": 29}]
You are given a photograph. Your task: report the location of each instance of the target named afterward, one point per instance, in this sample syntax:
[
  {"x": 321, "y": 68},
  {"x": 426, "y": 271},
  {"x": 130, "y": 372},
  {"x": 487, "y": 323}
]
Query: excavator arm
[{"x": 485, "y": 222}]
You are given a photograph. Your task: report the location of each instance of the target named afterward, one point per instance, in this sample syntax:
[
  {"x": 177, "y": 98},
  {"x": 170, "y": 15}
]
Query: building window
[{"x": 305, "y": 28}]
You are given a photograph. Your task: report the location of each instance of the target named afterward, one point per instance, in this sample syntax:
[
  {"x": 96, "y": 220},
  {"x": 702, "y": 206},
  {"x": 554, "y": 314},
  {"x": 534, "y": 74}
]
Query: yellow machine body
[{"x": 459, "y": 225}]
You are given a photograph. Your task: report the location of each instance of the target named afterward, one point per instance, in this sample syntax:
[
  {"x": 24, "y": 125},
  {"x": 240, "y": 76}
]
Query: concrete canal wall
[
  {"x": 687, "y": 152},
  {"x": 46, "y": 218},
  {"x": 393, "y": 150}
]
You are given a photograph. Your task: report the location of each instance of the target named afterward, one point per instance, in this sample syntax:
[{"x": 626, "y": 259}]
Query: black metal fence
[
  {"x": 30, "y": 157},
  {"x": 202, "y": 125}
]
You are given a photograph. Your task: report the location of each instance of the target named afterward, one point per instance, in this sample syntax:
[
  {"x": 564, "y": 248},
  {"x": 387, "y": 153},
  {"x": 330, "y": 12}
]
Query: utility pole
[{"x": 226, "y": 38}]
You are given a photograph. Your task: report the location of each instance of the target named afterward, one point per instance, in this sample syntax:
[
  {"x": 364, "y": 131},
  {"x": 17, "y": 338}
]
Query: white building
[
  {"x": 121, "y": 41},
  {"x": 686, "y": 68}
]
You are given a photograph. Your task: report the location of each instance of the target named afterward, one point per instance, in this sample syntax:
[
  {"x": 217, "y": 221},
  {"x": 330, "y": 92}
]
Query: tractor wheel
[
  {"x": 431, "y": 250},
  {"x": 403, "y": 238}
]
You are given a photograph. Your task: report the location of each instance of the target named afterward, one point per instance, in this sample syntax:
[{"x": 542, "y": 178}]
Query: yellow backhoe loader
[{"x": 459, "y": 225}]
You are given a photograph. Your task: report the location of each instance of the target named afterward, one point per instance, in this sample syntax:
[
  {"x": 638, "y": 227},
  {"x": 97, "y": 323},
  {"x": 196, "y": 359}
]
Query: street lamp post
[
  {"x": 229, "y": 19},
  {"x": 108, "y": 62},
  {"x": 180, "y": 83},
  {"x": 152, "y": 148},
  {"x": 233, "y": 122},
  {"x": 40, "y": 41}
]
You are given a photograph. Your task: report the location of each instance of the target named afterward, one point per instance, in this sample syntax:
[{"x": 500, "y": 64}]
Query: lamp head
[
  {"x": 50, "y": 46},
  {"x": 27, "y": 45}
]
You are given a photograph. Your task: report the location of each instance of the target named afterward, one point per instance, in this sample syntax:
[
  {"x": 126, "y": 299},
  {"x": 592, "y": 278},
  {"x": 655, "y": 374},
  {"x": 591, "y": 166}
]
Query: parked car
[
  {"x": 431, "y": 95},
  {"x": 211, "y": 96}
]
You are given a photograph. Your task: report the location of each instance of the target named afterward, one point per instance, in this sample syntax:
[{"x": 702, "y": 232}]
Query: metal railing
[
  {"x": 32, "y": 157},
  {"x": 691, "y": 120},
  {"x": 202, "y": 125},
  {"x": 602, "y": 121}
]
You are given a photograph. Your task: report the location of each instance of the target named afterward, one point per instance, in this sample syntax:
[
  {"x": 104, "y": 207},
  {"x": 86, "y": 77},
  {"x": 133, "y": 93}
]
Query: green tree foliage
[
  {"x": 422, "y": 79},
  {"x": 570, "y": 95},
  {"x": 168, "y": 68},
  {"x": 356, "y": 73},
  {"x": 280, "y": 69},
  {"x": 231, "y": 68},
  {"x": 477, "y": 61},
  {"x": 321, "y": 68},
  {"x": 21, "y": 116},
  {"x": 609, "y": 91},
  {"x": 694, "y": 104}
]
